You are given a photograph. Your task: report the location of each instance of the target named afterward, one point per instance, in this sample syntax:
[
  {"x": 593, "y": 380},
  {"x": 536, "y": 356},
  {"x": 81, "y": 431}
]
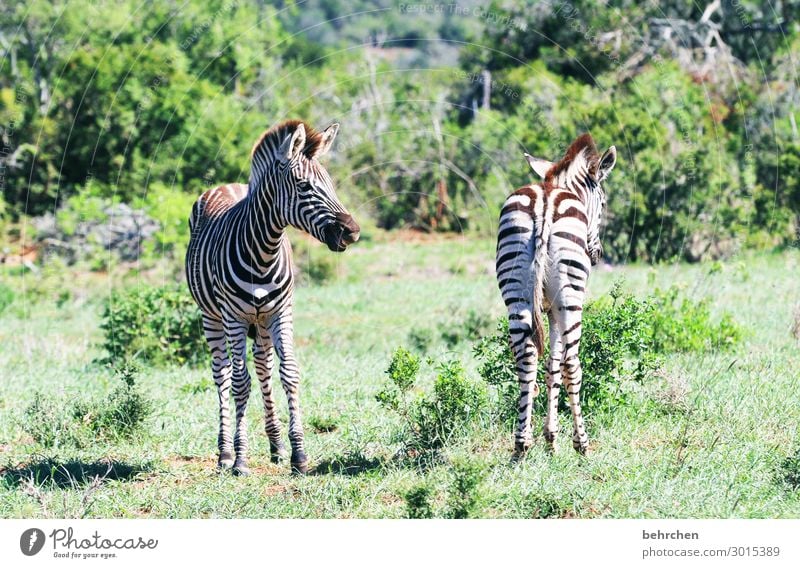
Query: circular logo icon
[{"x": 31, "y": 542}]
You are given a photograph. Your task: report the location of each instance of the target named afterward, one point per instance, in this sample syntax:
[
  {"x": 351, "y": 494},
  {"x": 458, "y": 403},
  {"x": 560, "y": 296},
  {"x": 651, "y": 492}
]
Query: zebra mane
[
  {"x": 271, "y": 139},
  {"x": 584, "y": 147}
]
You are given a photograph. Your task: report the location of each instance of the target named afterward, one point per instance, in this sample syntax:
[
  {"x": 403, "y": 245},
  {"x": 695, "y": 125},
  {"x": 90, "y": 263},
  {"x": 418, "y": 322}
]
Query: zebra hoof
[
  {"x": 299, "y": 463},
  {"x": 277, "y": 453},
  {"x": 520, "y": 450},
  {"x": 225, "y": 461},
  {"x": 581, "y": 448},
  {"x": 241, "y": 470}
]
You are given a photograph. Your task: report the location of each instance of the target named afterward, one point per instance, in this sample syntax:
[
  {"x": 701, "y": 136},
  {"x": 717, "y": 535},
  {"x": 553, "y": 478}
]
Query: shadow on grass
[
  {"x": 349, "y": 464},
  {"x": 52, "y": 473}
]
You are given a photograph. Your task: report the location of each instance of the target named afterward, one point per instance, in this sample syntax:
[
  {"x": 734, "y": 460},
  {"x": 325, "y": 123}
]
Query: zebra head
[
  {"x": 303, "y": 190},
  {"x": 582, "y": 171}
]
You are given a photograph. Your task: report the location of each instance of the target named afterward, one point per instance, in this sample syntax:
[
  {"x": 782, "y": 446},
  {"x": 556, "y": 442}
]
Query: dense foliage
[
  {"x": 159, "y": 325},
  {"x": 118, "y": 101}
]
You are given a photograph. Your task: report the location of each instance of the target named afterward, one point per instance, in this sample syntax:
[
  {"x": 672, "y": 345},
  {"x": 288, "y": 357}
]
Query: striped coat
[
  {"x": 239, "y": 271},
  {"x": 548, "y": 238}
]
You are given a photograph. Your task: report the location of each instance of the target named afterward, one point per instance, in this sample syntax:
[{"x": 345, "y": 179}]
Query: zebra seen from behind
[
  {"x": 548, "y": 238},
  {"x": 239, "y": 271}
]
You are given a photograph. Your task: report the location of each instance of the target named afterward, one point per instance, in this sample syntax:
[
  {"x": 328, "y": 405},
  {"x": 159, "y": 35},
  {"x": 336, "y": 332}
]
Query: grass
[{"x": 718, "y": 448}]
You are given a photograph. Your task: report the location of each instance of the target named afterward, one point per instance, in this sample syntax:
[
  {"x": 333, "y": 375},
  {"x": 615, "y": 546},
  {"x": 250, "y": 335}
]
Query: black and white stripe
[
  {"x": 239, "y": 271},
  {"x": 548, "y": 239}
]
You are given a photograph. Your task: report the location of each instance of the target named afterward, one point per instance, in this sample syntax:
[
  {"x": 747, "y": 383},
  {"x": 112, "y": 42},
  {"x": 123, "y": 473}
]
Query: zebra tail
[{"x": 538, "y": 269}]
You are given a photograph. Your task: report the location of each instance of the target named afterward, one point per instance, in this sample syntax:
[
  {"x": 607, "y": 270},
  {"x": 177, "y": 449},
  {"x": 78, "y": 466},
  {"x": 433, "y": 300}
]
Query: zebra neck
[{"x": 264, "y": 227}]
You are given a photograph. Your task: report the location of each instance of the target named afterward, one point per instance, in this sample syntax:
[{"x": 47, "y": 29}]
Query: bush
[
  {"x": 430, "y": 421},
  {"x": 680, "y": 324},
  {"x": 623, "y": 339},
  {"x": 418, "y": 502},
  {"x": 81, "y": 421},
  {"x": 159, "y": 325},
  {"x": 464, "y": 495}
]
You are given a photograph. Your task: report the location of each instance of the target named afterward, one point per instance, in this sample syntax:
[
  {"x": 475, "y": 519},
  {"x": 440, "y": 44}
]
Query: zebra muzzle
[{"x": 342, "y": 232}]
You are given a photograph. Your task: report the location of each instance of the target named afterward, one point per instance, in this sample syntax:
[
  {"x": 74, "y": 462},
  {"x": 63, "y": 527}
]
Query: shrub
[
  {"x": 421, "y": 339},
  {"x": 681, "y": 324},
  {"x": 82, "y": 421},
  {"x": 418, "y": 502},
  {"x": 464, "y": 495},
  {"x": 402, "y": 372},
  {"x": 623, "y": 338},
  {"x": 159, "y": 325},
  {"x": 456, "y": 403},
  {"x": 6, "y": 297},
  {"x": 46, "y": 422},
  {"x": 323, "y": 424},
  {"x": 431, "y": 420}
]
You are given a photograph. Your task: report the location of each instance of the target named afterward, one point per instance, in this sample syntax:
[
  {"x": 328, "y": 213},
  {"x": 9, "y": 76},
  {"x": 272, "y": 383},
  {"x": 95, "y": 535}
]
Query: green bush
[
  {"x": 680, "y": 324},
  {"x": 432, "y": 420},
  {"x": 81, "y": 421},
  {"x": 623, "y": 339},
  {"x": 418, "y": 502},
  {"x": 464, "y": 495},
  {"x": 159, "y": 325}
]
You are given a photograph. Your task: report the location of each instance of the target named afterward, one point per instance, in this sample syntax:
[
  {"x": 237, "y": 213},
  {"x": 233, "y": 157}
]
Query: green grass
[{"x": 717, "y": 448}]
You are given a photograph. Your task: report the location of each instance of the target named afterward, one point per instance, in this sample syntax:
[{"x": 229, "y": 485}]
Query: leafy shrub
[
  {"x": 432, "y": 420},
  {"x": 6, "y": 297},
  {"x": 46, "y": 422},
  {"x": 81, "y": 421},
  {"x": 623, "y": 338},
  {"x": 456, "y": 403},
  {"x": 402, "y": 372},
  {"x": 680, "y": 324},
  {"x": 159, "y": 325},
  {"x": 464, "y": 495},
  {"x": 418, "y": 502}
]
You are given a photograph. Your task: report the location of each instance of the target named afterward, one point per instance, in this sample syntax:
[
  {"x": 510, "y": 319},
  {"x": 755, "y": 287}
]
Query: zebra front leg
[
  {"x": 573, "y": 376},
  {"x": 264, "y": 357},
  {"x": 553, "y": 383},
  {"x": 282, "y": 333},
  {"x": 237, "y": 341},
  {"x": 526, "y": 355},
  {"x": 221, "y": 371}
]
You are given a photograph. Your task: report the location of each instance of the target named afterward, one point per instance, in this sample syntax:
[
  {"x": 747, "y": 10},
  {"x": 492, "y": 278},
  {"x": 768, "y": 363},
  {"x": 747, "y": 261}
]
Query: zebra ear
[
  {"x": 328, "y": 136},
  {"x": 293, "y": 144},
  {"x": 540, "y": 167},
  {"x": 607, "y": 163}
]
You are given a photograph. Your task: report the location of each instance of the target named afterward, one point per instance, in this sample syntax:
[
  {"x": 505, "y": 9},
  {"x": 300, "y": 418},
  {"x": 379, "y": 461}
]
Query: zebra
[
  {"x": 239, "y": 272},
  {"x": 548, "y": 236}
]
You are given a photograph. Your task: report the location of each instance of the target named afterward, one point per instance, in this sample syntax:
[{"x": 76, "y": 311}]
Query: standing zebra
[
  {"x": 547, "y": 238},
  {"x": 239, "y": 270}
]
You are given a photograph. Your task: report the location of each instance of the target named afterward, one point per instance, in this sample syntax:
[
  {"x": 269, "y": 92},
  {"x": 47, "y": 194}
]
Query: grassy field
[{"x": 723, "y": 455}]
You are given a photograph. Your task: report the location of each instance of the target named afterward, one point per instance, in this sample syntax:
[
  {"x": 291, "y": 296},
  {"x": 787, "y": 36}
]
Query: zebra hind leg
[
  {"x": 263, "y": 356},
  {"x": 553, "y": 384},
  {"x": 573, "y": 377},
  {"x": 221, "y": 371},
  {"x": 526, "y": 355}
]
